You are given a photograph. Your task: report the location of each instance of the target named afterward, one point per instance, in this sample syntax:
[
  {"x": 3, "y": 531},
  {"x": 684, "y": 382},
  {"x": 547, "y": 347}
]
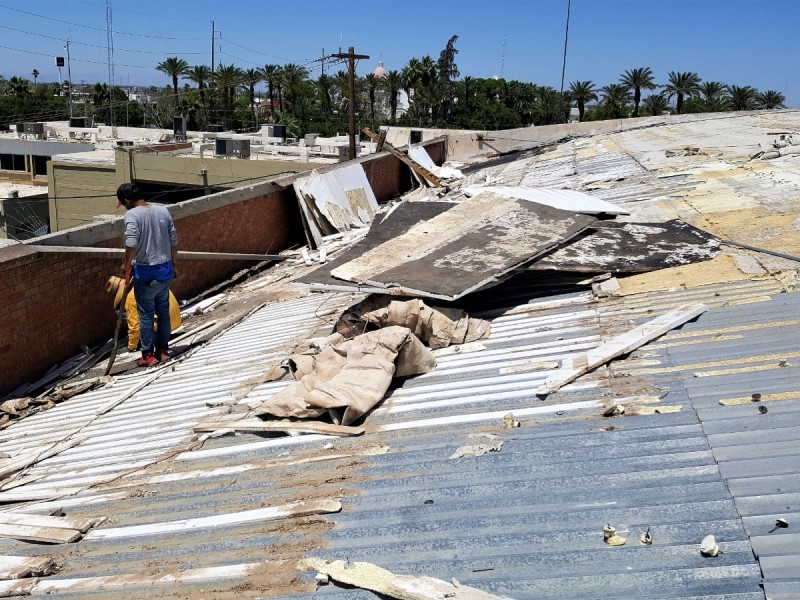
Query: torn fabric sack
[
  {"x": 348, "y": 379},
  {"x": 435, "y": 327}
]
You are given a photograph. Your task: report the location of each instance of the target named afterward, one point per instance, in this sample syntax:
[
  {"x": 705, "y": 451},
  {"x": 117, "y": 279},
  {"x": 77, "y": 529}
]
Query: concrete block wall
[{"x": 51, "y": 305}]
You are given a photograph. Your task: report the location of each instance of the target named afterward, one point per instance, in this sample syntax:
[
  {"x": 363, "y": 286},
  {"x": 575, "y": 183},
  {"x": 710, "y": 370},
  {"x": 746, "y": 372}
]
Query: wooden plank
[
  {"x": 80, "y": 524},
  {"x": 27, "y": 459},
  {"x": 26, "y": 495},
  {"x": 415, "y": 166},
  {"x": 17, "y": 567},
  {"x": 185, "y": 254},
  {"x": 271, "y": 513},
  {"x": 256, "y": 425},
  {"x": 403, "y": 587},
  {"x": 48, "y": 535},
  {"x": 622, "y": 344},
  {"x": 117, "y": 401}
]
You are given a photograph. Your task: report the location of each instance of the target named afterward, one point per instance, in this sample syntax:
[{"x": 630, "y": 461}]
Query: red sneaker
[
  {"x": 147, "y": 360},
  {"x": 162, "y": 354}
]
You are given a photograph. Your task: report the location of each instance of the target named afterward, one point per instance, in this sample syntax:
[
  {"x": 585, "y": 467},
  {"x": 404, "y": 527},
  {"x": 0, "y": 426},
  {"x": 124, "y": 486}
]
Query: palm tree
[
  {"x": 549, "y": 106},
  {"x": 409, "y": 75},
  {"x": 228, "y": 78},
  {"x": 294, "y": 77},
  {"x": 771, "y": 99},
  {"x": 201, "y": 75},
  {"x": 655, "y": 104},
  {"x": 682, "y": 85},
  {"x": 616, "y": 97},
  {"x": 17, "y": 86},
  {"x": 638, "y": 80},
  {"x": 341, "y": 82},
  {"x": 393, "y": 83},
  {"x": 714, "y": 96},
  {"x": 174, "y": 67},
  {"x": 251, "y": 78},
  {"x": 270, "y": 74},
  {"x": 372, "y": 85},
  {"x": 35, "y": 76},
  {"x": 582, "y": 92},
  {"x": 743, "y": 97},
  {"x": 279, "y": 81},
  {"x": 324, "y": 85}
]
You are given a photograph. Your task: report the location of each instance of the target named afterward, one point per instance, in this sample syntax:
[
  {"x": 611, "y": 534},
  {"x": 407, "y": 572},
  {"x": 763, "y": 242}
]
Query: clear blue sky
[{"x": 742, "y": 42}]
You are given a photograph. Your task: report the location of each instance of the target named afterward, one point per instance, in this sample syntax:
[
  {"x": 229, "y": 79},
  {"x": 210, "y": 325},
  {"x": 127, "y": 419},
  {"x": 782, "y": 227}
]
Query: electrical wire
[
  {"x": 103, "y": 29},
  {"x": 93, "y": 62},
  {"x": 50, "y": 37}
]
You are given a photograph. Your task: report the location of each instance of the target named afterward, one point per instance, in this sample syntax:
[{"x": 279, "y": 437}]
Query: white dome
[{"x": 379, "y": 71}]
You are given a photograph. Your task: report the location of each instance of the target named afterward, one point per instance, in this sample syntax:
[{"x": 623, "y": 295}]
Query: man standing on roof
[{"x": 151, "y": 248}]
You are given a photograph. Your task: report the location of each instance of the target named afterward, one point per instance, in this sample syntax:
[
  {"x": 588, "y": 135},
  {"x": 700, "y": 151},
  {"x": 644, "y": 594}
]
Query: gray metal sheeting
[
  {"x": 758, "y": 454},
  {"x": 525, "y": 522}
]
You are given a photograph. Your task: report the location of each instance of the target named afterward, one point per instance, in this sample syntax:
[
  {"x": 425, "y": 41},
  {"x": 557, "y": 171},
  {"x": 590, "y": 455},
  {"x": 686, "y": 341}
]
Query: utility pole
[
  {"x": 69, "y": 74},
  {"x": 323, "y": 62},
  {"x": 351, "y": 57},
  {"x": 110, "y": 45},
  {"x": 211, "y": 83},
  {"x": 564, "y": 64}
]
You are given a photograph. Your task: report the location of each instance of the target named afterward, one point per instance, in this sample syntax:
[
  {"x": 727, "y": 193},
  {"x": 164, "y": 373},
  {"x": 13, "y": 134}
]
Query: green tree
[
  {"x": 771, "y": 99},
  {"x": 372, "y": 87},
  {"x": 715, "y": 96},
  {"x": 201, "y": 75},
  {"x": 35, "y": 75},
  {"x": 655, "y": 105},
  {"x": 324, "y": 88},
  {"x": 270, "y": 74},
  {"x": 17, "y": 86},
  {"x": 582, "y": 92},
  {"x": 742, "y": 97},
  {"x": 174, "y": 68},
  {"x": 392, "y": 83},
  {"x": 251, "y": 78},
  {"x": 682, "y": 85},
  {"x": 616, "y": 97},
  {"x": 549, "y": 107},
  {"x": 638, "y": 80},
  {"x": 228, "y": 78},
  {"x": 294, "y": 78}
]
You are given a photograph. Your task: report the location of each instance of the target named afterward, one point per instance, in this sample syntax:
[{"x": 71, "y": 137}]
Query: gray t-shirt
[{"x": 151, "y": 231}]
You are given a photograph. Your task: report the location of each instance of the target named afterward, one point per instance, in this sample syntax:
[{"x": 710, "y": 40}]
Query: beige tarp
[
  {"x": 436, "y": 327},
  {"x": 349, "y": 378}
]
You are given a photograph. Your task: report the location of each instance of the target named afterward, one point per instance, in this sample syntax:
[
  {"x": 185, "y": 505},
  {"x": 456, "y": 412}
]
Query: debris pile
[{"x": 344, "y": 375}]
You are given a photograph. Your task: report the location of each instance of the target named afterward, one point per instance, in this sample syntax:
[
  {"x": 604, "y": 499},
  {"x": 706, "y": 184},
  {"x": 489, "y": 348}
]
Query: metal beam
[{"x": 185, "y": 254}]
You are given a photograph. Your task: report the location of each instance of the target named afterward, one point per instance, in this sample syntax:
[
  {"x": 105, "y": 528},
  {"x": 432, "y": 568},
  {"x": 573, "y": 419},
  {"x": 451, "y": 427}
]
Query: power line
[
  {"x": 72, "y": 23},
  {"x": 50, "y": 37},
  {"x": 93, "y": 62},
  {"x": 227, "y": 41}
]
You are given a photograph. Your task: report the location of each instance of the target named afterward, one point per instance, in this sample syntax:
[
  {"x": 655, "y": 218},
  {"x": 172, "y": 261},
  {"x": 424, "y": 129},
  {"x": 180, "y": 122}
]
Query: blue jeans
[{"x": 152, "y": 300}]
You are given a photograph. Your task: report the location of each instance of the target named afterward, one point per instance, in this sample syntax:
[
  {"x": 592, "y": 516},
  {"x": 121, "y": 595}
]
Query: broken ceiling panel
[
  {"x": 385, "y": 227},
  {"x": 570, "y": 200},
  {"x": 473, "y": 245},
  {"x": 342, "y": 196},
  {"x": 614, "y": 247}
]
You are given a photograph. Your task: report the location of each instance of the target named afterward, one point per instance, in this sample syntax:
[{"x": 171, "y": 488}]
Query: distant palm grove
[{"x": 424, "y": 93}]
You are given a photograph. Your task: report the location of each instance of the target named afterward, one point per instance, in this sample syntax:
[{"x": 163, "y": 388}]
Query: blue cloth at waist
[{"x": 162, "y": 272}]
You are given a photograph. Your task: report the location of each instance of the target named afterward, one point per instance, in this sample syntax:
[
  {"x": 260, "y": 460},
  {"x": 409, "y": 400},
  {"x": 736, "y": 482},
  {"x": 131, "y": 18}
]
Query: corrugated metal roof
[
  {"x": 758, "y": 454},
  {"x": 525, "y": 522}
]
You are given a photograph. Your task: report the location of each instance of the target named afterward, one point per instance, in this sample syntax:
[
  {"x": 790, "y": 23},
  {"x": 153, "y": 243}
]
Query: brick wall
[{"x": 51, "y": 305}]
